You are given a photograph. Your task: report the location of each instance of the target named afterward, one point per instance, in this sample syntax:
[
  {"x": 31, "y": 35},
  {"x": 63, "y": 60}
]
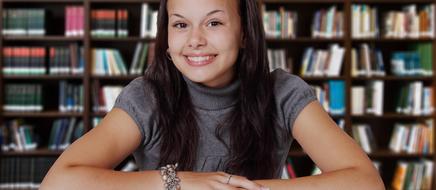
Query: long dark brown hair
[{"x": 251, "y": 123}]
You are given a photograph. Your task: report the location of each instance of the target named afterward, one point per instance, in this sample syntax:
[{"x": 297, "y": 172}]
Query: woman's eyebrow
[{"x": 208, "y": 14}]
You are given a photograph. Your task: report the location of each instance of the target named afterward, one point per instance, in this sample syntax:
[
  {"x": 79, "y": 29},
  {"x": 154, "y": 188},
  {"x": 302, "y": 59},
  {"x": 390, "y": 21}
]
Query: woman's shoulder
[
  {"x": 138, "y": 93},
  {"x": 285, "y": 82}
]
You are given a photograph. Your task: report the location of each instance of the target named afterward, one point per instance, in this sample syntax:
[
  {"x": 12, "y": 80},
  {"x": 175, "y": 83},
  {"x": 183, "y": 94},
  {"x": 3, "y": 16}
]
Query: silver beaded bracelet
[{"x": 169, "y": 177}]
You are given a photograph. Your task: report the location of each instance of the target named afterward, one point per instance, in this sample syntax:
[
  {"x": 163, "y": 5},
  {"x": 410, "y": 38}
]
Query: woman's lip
[{"x": 200, "y": 63}]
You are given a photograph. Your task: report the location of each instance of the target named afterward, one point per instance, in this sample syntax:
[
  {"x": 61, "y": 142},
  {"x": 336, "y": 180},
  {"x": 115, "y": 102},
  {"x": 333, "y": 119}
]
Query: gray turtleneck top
[{"x": 212, "y": 106}]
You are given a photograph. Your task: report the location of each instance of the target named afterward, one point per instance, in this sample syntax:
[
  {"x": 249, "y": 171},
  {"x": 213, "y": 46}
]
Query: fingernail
[{"x": 264, "y": 188}]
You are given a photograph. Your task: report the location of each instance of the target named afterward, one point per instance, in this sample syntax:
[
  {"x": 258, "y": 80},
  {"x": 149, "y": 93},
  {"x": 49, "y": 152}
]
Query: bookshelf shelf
[
  {"x": 322, "y": 78},
  {"x": 394, "y": 40},
  {"x": 122, "y": 39},
  {"x": 42, "y": 38},
  {"x": 305, "y": 40},
  {"x": 98, "y": 114},
  {"x": 390, "y": 154},
  {"x": 121, "y": 77},
  {"x": 44, "y": 114},
  {"x": 43, "y": 77},
  {"x": 38, "y": 152},
  {"x": 392, "y": 116},
  {"x": 393, "y": 78}
]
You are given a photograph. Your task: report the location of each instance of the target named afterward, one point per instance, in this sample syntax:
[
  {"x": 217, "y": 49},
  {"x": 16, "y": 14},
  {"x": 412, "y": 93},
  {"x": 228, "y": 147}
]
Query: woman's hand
[{"x": 215, "y": 181}]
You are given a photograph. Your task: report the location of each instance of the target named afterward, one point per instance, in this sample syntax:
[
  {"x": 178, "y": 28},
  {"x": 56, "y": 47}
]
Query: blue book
[{"x": 337, "y": 97}]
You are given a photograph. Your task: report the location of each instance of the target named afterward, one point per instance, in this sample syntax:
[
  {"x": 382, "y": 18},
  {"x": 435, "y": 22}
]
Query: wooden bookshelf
[{"x": 382, "y": 124}]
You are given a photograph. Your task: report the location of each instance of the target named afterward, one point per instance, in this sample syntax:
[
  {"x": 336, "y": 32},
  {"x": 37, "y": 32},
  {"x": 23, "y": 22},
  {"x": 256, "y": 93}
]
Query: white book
[
  {"x": 367, "y": 64},
  {"x": 363, "y": 137},
  {"x": 153, "y": 24},
  {"x": 366, "y": 21},
  {"x": 354, "y": 70},
  {"x": 285, "y": 174},
  {"x": 378, "y": 97},
  {"x": 336, "y": 60},
  {"x": 405, "y": 138},
  {"x": 356, "y": 21},
  {"x": 395, "y": 142},
  {"x": 413, "y": 137},
  {"x": 144, "y": 20},
  {"x": 417, "y": 98},
  {"x": 358, "y": 103}
]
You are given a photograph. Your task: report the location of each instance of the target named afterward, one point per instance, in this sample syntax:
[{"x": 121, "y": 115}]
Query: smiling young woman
[{"x": 209, "y": 114}]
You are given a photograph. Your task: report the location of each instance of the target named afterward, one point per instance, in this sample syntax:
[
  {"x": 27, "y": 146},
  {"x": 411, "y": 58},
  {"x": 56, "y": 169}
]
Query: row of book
[
  {"x": 107, "y": 62},
  {"x": 277, "y": 60},
  {"x": 71, "y": 97},
  {"x": 110, "y": 62},
  {"x": 104, "y": 97},
  {"x": 364, "y": 136},
  {"x": 415, "y": 99},
  {"x": 413, "y": 175},
  {"x": 413, "y": 138},
  {"x": 410, "y": 138},
  {"x": 66, "y": 60},
  {"x": 365, "y": 21},
  {"x": 279, "y": 24},
  {"x": 24, "y": 172},
  {"x": 328, "y": 23},
  {"x": 24, "y": 60},
  {"x": 408, "y": 174},
  {"x": 32, "y": 60},
  {"x": 367, "y": 61},
  {"x": 319, "y": 62},
  {"x": 17, "y": 136},
  {"x": 410, "y": 23},
  {"x": 74, "y": 20},
  {"x": 23, "y": 97},
  {"x": 109, "y": 23},
  {"x": 417, "y": 61},
  {"x": 332, "y": 96},
  {"x": 29, "y": 21},
  {"x": 64, "y": 132},
  {"x": 143, "y": 56}
]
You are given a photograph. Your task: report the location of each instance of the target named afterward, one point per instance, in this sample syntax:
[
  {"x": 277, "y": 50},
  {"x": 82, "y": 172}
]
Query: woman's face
[{"x": 204, "y": 37}]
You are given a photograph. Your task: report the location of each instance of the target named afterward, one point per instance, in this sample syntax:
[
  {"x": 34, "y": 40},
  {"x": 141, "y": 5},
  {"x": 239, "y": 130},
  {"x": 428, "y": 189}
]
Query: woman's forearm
[
  {"x": 343, "y": 179},
  {"x": 85, "y": 177}
]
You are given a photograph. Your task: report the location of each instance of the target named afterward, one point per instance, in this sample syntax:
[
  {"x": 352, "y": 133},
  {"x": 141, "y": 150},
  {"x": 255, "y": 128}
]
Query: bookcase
[{"x": 293, "y": 46}]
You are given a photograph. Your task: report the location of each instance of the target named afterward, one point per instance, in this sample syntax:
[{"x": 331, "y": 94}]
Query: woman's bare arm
[
  {"x": 343, "y": 163},
  {"x": 88, "y": 163}
]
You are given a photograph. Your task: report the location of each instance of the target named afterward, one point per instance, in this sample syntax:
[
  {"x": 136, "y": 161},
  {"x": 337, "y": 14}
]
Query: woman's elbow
[{"x": 55, "y": 178}]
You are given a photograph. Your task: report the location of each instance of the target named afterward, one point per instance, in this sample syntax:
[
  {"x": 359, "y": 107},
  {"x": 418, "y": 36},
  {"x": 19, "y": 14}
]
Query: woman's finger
[{"x": 238, "y": 182}]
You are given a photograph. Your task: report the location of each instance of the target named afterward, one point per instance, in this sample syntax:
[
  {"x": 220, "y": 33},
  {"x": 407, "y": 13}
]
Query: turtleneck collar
[{"x": 213, "y": 98}]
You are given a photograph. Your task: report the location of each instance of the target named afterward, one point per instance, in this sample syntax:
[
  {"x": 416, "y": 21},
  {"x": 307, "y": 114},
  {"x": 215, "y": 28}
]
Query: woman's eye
[
  {"x": 214, "y": 23},
  {"x": 180, "y": 25}
]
